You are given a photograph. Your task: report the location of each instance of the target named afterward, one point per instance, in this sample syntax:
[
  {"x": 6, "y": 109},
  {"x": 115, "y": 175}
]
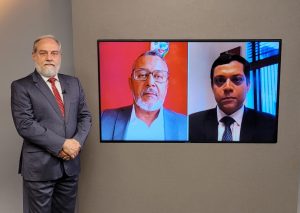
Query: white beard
[
  {"x": 149, "y": 107},
  {"x": 47, "y": 72}
]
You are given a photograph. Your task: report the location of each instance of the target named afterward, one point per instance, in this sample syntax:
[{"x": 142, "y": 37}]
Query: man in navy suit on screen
[
  {"x": 231, "y": 121},
  {"x": 50, "y": 113},
  {"x": 146, "y": 119}
]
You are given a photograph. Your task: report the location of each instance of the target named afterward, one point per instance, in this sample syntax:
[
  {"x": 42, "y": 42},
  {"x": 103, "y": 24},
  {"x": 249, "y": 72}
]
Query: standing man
[
  {"x": 51, "y": 115},
  {"x": 146, "y": 119},
  {"x": 231, "y": 120}
]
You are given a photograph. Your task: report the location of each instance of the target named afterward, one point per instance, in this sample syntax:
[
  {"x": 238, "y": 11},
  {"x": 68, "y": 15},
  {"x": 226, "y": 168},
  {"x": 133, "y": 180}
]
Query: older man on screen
[{"x": 146, "y": 119}]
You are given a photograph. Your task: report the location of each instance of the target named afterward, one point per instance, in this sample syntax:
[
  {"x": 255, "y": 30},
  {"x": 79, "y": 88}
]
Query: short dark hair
[
  {"x": 152, "y": 53},
  {"x": 226, "y": 58}
]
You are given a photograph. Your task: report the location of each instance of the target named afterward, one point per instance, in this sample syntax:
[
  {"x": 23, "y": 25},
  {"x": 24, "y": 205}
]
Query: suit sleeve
[
  {"x": 27, "y": 124},
  {"x": 84, "y": 118}
]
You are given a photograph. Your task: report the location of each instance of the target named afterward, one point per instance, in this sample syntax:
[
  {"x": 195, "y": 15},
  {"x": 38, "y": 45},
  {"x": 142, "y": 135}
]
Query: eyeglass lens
[{"x": 143, "y": 74}]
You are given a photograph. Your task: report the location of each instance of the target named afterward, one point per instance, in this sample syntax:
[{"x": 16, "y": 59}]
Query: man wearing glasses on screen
[
  {"x": 231, "y": 121},
  {"x": 146, "y": 119}
]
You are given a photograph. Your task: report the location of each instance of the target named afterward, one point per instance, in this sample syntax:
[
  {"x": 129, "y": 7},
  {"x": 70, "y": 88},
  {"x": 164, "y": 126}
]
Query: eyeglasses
[
  {"x": 236, "y": 80},
  {"x": 44, "y": 53},
  {"x": 160, "y": 76}
]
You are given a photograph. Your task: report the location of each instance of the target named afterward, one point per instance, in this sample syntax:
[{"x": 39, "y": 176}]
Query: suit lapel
[
  {"x": 211, "y": 126},
  {"x": 170, "y": 126},
  {"x": 247, "y": 129},
  {"x": 45, "y": 90},
  {"x": 121, "y": 123}
]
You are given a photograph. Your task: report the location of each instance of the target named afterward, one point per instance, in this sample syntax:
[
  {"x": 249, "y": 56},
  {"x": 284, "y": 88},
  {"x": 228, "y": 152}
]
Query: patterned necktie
[
  {"x": 57, "y": 96},
  {"x": 227, "y": 136}
]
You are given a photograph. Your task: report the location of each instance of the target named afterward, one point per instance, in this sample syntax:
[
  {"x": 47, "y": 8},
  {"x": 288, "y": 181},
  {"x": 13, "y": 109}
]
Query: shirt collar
[
  {"x": 237, "y": 116},
  {"x": 46, "y": 78}
]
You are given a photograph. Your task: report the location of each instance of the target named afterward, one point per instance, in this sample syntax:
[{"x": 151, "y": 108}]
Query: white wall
[{"x": 20, "y": 23}]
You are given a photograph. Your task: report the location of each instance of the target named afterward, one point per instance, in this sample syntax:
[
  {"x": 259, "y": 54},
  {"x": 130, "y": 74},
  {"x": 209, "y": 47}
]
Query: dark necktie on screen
[
  {"x": 57, "y": 96},
  {"x": 227, "y": 136}
]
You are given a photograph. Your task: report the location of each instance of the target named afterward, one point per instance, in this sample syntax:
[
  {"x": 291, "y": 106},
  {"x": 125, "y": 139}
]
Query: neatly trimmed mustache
[
  {"x": 149, "y": 90},
  {"x": 49, "y": 64}
]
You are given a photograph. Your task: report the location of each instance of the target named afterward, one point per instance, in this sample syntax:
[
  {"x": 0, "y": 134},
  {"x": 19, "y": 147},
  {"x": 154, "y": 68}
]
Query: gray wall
[
  {"x": 20, "y": 23},
  {"x": 209, "y": 178}
]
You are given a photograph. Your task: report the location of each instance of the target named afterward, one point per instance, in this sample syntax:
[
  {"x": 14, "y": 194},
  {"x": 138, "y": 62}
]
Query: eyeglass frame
[{"x": 150, "y": 73}]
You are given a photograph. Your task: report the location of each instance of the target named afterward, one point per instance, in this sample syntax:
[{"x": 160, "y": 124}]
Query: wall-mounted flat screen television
[{"x": 189, "y": 91}]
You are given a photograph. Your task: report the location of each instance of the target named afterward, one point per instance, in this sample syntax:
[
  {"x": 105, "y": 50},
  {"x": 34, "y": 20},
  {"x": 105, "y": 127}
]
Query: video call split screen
[{"x": 182, "y": 91}]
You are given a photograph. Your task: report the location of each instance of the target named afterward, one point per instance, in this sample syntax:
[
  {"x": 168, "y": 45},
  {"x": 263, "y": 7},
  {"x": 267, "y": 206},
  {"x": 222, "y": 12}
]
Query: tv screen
[{"x": 179, "y": 91}]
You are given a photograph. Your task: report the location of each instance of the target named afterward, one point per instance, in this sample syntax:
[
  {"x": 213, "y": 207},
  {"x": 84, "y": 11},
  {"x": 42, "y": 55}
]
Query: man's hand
[
  {"x": 64, "y": 155},
  {"x": 71, "y": 147}
]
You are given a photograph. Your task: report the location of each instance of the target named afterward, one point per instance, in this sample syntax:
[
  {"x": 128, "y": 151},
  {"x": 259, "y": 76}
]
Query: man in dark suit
[
  {"x": 50, "y": 113},
  {"x": 231, "y": 121},
  {"x": 146, "y": 119}
]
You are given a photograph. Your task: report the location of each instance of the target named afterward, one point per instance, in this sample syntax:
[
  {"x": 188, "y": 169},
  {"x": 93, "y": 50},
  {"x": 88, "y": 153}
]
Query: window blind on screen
[{"x": 264, "y": 60}]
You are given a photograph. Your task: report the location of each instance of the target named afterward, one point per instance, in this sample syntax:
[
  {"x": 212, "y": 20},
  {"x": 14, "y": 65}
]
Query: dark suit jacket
[
  {"x": 114, "y": 123},
  {"x": 256, "y": 127},
  {"x": 38, "y": 120}
]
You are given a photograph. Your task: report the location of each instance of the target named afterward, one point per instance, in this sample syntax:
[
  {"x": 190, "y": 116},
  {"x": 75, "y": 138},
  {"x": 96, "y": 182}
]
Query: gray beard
[
  {"x": 50, "y": 72},
  {"x": 149, "y": 107}
]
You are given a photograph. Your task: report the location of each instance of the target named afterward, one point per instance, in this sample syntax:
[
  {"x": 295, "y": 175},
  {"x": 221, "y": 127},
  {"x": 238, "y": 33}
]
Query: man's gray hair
[
  {"x": 34, "y": 48},
  {"x": 149, "y": 53}
]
